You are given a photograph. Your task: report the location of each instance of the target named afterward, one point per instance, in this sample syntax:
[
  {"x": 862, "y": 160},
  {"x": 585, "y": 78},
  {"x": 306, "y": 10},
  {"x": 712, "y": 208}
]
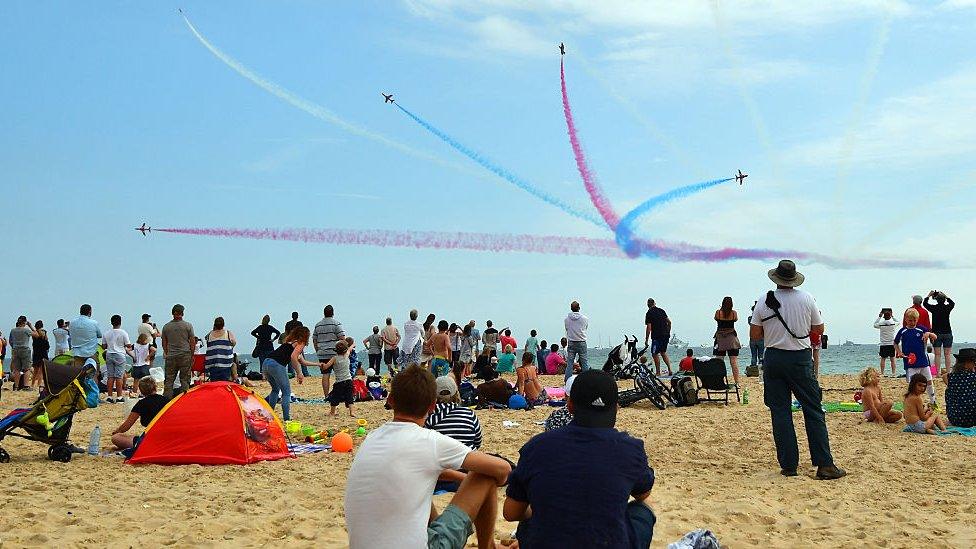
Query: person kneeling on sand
[
  {"x": 876, "y": 408},
  {"x": 144, "y": 411},
  {"x": 572, "y": 485},
  {"x": 919, "y": 418},
  {"x": 391, "y": 506}
]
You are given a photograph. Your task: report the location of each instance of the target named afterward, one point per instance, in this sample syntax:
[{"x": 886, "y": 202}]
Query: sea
[{"x": 846, "y": 358}]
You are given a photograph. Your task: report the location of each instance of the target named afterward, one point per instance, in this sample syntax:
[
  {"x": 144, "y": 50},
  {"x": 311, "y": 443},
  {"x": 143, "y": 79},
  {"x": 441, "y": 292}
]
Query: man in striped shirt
[
  {"x": 451, "y": 419},
  {"x": 327, "y": 332}
]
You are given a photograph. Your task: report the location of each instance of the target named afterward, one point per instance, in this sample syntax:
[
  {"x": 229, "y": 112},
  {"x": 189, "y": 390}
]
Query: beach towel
[
  {"x": 300, "y": 449},
  {"x": 964, "y": 431},
  {"x": 697, "y": 539}
]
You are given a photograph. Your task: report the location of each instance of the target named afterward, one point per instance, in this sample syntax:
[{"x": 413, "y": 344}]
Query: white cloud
[
  {"x": 958, "y": 4},
  {"x": 507, "y": 35},
  {"x": 936, "y": 121}
]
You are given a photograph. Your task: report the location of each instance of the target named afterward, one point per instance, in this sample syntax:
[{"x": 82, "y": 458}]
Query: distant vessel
[
  {"x": 675, "y": 342},
  {"x": 848, "y": 343}
]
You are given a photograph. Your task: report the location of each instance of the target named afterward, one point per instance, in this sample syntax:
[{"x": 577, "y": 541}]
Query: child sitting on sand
[
  {"x": 527, "y": 381},
  {"x": 555, "y": 363},
  {"x": 342, "y": 388},
  {"x": 876, "y": 408},
  {"x": 144, "y": 411},
  {"x": 919, "y": 417}
]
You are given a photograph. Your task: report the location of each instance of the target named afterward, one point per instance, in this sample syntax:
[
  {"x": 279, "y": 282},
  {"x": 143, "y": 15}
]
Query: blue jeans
[
  {"x": 576, "y": 349},
  {"x": 277, "y": 375},
  {"x": 788, "y": 372},
  {"x": 756, "y": 348}
]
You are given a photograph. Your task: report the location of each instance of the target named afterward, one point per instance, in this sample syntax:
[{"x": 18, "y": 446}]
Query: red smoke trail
[
  {"x": 560, "y": 245},
  {"x": 599, "y": 200}
]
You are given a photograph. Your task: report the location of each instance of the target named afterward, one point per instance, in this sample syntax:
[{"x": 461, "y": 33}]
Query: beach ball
[
  {"x": 517, "y": 402},
  {"x": 342, "y": 442}
]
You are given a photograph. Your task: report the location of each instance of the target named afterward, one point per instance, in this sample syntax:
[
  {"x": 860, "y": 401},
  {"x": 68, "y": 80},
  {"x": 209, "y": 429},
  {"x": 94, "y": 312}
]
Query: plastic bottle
[
  {"x": 745, "y": 396},
  {"x": 95, "y": 441}
]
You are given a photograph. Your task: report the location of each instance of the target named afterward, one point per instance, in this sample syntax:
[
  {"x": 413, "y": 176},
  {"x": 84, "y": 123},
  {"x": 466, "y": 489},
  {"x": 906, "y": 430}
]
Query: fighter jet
[
  {"x": 562, "y": 49},
  {"x": 144, "y": 229},
  {"x": 387, "y": 98},
  {"x": 740, "y": 177}
]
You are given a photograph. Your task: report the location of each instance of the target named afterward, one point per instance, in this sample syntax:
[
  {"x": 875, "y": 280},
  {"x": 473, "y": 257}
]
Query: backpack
[
  {"x": 684, "y": 390},
  {"x": 360, "y": 392},
  {"x": 468, "y": 394}
]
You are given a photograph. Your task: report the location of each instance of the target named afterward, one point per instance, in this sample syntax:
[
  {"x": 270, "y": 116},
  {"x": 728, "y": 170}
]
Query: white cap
[{"x": 446, "y": 386}]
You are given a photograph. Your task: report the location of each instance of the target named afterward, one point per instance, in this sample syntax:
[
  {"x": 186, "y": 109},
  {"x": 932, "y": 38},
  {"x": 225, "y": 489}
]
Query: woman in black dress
[{"x": 266, "y": 334}]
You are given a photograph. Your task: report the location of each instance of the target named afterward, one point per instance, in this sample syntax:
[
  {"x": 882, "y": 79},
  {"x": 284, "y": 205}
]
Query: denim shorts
[
  {"x": 450, "y": 530},
  {"x": 139, "y": 372},
  {"x": 115, "y": 365},
  {"x": 943, "y": 340}
]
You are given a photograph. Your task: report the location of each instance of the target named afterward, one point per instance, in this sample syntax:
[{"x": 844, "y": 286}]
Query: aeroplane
[
  {"x": 144, "y": 229},
  {"x": 562, "y": 49},
  {"x": 740, "y": 177},
  {"x": 387, "y": 98}
]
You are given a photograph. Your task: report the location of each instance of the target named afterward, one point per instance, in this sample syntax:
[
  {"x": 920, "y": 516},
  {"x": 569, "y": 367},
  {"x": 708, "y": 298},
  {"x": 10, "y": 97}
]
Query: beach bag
[
  {"x": 360, "y": 392},
  {"x": 683, "y": 389}
]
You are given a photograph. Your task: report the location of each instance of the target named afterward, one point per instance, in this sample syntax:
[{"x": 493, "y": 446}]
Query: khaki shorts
[{"x": 450, "y": 530}]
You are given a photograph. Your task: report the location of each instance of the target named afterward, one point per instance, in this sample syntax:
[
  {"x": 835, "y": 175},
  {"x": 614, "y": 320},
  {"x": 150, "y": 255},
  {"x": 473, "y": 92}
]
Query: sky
[{"x": 855, "y": 119}]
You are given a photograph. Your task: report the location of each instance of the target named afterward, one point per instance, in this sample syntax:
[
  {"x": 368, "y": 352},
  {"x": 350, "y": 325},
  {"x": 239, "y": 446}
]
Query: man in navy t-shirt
[{"x": 572, "y": 485}]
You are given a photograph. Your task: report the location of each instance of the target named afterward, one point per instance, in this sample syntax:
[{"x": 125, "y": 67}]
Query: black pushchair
[
  {"x": 622, "y": 361},
  {"x": 49, "y": 420}
]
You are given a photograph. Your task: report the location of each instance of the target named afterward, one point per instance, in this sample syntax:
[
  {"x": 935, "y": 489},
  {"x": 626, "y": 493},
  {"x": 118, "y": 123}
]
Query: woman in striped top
[{"x": 220, "y": 351}]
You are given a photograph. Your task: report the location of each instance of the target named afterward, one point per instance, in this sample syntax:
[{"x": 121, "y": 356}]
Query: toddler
[
  {"x": 919, "y": 417},
  {"x": 876, "y": 408},
  {"x": 342, "y": 388}
]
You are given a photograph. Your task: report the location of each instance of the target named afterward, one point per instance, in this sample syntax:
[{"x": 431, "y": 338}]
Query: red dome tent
[{"x": 213, "y": 423}]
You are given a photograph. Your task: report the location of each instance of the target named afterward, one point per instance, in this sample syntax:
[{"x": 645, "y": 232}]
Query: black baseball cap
[
  {"x": 145, "y": 317},
  {"x": 594, "y": 399}
]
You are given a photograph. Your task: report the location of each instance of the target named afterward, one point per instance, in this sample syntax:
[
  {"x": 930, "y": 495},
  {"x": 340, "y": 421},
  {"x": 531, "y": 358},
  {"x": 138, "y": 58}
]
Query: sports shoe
[
  {"x": 830, "y": 472},
  {"x": 788, "y": 472},
  {"x": 110, "y": 400}
]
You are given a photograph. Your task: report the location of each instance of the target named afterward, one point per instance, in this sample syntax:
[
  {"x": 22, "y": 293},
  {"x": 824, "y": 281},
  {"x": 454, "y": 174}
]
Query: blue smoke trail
[
  {"x": 625, "y": 230},
  {"x": 494, "y": 168}
]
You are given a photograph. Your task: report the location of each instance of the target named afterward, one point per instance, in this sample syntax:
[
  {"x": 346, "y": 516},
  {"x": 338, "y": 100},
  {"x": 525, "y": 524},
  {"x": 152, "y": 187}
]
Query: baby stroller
[
  {"x": 49, "y": 419},
  {"x": 646, "y": 385},
  {"x": 622, "y": 361}
]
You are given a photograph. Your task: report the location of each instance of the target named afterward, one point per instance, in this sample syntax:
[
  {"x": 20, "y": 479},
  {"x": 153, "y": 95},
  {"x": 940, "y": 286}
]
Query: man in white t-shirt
[
  {"x": 785, "y": 318},
  {"x": 149, "y": 328},
  {"x": 117, "y": 345},
  {"x": 391, "y": 480}
]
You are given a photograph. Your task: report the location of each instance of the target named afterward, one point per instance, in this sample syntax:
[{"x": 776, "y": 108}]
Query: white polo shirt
[{"x": 798, "y": 309}]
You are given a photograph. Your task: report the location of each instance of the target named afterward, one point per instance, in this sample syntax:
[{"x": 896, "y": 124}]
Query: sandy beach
[{"x": 715, "y": 469}]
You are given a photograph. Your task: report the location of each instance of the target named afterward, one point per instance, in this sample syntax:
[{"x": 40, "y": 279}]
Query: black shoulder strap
[{"x": 774, "y": 304}]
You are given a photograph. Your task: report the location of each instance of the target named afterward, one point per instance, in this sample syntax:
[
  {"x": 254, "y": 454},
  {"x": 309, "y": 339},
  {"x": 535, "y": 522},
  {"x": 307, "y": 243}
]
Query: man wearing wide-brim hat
[{"x": 785, "y": 318}]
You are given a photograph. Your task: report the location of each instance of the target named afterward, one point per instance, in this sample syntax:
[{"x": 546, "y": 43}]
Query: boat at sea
[{"x": 675, "y": 342}]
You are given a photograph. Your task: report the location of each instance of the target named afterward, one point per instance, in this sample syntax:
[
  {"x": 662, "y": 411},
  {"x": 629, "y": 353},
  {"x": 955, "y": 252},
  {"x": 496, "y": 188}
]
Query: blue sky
[{"x": 855, "y": 119}]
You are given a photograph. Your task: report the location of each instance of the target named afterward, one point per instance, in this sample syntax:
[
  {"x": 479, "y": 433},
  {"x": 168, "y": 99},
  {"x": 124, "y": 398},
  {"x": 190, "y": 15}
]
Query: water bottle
[
  {"x": 745, "y": 396},
  {"x": 94, "y": 441}
]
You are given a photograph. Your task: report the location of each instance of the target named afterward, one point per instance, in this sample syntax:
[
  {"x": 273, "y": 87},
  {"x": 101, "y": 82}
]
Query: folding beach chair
[{"x": 712, "y": 377}]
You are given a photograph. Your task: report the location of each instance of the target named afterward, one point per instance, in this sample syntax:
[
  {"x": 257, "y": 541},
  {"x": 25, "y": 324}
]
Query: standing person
[
  {"x": 60, "y": 334},
  {"x": 756, "y": 346},
  {"x": 117, "y": 346},
  {"x": 555, "y": 361},
  {"x": 426, "y": 353},
  {"x": 576, "y": 324},
  {"x": 289, "y": 354},
  {"x": 924, "y": 322},
  {"x": 391, "y": 343},
  {"x": 412, "y": 342},
  {"x": 40, "y": 348},
  {"x": 440, "y": 349},
  {"x": 85, "y": 336},
  {"x": 532, "y": 346},
  {"x": 289, "y": 326},
  {"x": 265, "y": 335},
  {"x": 391, "y": 506},
  {"x": 468, "y": 349},
  {"x": 506, "y": 339},
  {"x": 910, "y": 344},
  {"x": 490, "y": 338},
  {"x": 785, "y": 317},
  {"x": 816, "y": 345},
  {"x": 148, "y": 327},
  {"x": 142, "y": 357},
  {"x": 563, "y": 351},
  {"x": 327, "y": 333},
  {"x": 726, "y": 339},
  {"x": 20, "y": 351},
  {"x": 476, "y": 335},
  {"x": 568, "y": 490},
  {"x": 374, "y": 349},
  {"x": 342, "y": 390},
  {"x": 220, "y": 351},
  {"x": 540, "y": 356},
  {"x": 454, "y": 332},
  {"x": 941, "y": 327},
  {"x": 178, "y": 345},
  {"x": 887, "y": 326},
  {"x": 657, "y": 330}
]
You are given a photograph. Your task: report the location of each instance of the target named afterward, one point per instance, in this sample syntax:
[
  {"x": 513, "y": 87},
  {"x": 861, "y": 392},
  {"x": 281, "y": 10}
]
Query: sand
[{"x": 715, "y": 468}]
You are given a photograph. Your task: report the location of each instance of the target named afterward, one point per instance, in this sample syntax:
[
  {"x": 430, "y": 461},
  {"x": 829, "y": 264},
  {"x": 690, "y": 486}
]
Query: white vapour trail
[
  {"x": 311, "y": 108},
  {"x": 849, "y": 143}
]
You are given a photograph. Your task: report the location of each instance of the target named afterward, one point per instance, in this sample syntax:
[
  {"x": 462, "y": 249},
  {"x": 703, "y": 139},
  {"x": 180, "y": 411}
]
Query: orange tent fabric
[{"x": 213, "y": 423}]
